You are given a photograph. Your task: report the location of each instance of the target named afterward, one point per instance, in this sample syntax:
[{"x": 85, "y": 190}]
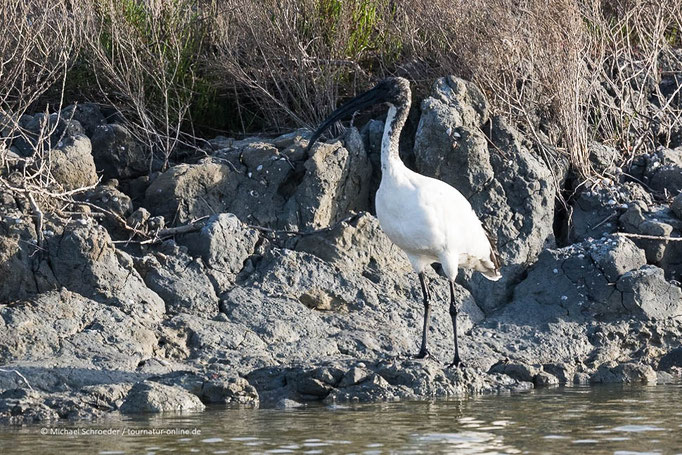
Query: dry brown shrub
[
  {"x": 37, "y": 43},
  {"x": 293, "y": 60},
  {"x": 568, "y": 71},
  {"x": 144, "y": 55}
]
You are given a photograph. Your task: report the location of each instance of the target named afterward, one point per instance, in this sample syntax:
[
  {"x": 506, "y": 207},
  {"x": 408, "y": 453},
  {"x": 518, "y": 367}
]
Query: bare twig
[
  {"x": 18, "y": 374},
  {"x": 162, "y": 234},
  {"x": 662, "y": 238}
]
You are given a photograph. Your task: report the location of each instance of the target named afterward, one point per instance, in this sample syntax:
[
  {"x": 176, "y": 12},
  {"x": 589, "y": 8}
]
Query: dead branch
[
  {"x": 18, "y": 374},
  {"x": 162, "y": 234},
  {"x": 662, "y": 238}
]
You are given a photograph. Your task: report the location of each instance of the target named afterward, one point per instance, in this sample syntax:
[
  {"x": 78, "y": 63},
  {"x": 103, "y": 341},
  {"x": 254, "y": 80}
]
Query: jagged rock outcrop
[
  {"x": 84, "y": 260},
  {"x": 268, "y": 186}
]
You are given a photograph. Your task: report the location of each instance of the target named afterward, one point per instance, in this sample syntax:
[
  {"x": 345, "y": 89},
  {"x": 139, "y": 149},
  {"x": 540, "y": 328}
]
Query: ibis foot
[
  {"x": 423, "y": 354},
  {"x": 457, "y": 363}
]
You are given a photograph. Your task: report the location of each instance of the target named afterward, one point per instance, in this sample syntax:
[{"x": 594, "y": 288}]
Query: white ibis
[{"x": 427, "y": 218}]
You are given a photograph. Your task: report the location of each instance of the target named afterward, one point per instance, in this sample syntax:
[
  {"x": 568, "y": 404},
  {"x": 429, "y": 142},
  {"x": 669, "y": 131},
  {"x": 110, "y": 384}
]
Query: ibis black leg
[
  {"x": 423, "y": 352},
  {"x": 453, "y": 314}
]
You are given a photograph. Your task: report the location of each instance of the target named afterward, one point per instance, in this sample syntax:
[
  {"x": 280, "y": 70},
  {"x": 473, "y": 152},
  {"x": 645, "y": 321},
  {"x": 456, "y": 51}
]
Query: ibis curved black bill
[{"x": 369, "y": 98}]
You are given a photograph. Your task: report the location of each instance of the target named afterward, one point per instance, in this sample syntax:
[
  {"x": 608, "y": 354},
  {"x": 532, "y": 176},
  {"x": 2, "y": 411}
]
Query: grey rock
[
  {"x": 108, "y": 197},
  {"x": 265, "y": 186},
  {"x": 336, "y": 183},
  {"x": 596, "y": 212},
  {"x": 518, "y": 371},
  {"x": 85, "y": 260},
  {"x": 602, "y": 158},
  {"x": 581, "y": 378},
  {"x": 375, "y": 388},
  {"x": 64, "y": 329},
  {"x": 23, "y": 268},
  {"x": 223, "y": 244},
  {"x": 354, "y": 376},
  {"x": 117, "y": 153},
  {"x": 233, "y": 343},
  {"x": 72, "y": 163},
  {"x": 190, "y": 191},
  {"x": 377, "y": 381},
  {"x": 624, "y": 373},
  {"x": 138, "y": 219},
  {"x": 446, "y": 156},
  {"x": 646, "y": 291},
  {"x": 154, "y": 397},
  {"x": 633, "y": 217},
  {"x": 544, "y": 379},
  {"x": 671, "y": 359},
  {"x": 664, "y": 170},
  {"x": 583, "y": 275},
  {"x": 621, "y": 255},
  {"x": 49, "y": 130},
  {"x": 20, "y": 406},
  {"x": 180, "y": 280},
  {"x": 562, "y": 371},
  {"x": 465, "y": 97},
  {"x": 578, "y": 284},
  {"x": 87, "y": 114},
  {"x": 657, "y": 221},
  {"x": 288, "y": 280},
  {"x": 107, "y": 396},
  {"x": 358, "y": 245},
  {"x": 663, "y": 377},
  {"x": 655, "y": 249},
  {"x": 232, "y": 390}
]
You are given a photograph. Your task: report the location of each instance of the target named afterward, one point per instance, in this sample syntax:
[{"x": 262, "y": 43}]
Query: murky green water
[{"x": 614, "y": 420}]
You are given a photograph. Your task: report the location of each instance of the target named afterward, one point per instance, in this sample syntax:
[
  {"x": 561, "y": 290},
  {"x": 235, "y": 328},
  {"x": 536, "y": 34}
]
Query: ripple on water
[
  {"x": 454, "y": 438},
  {"x": 501, "y": 423},
  {"x": 638, "y": 428},
  {"x": 212, "y": 440}
]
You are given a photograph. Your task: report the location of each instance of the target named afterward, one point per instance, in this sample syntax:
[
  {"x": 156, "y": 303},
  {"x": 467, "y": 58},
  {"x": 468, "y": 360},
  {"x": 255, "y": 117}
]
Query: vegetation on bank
[{"x": 567, "y": 71}]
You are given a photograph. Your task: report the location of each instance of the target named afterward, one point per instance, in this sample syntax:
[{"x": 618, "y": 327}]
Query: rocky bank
[{"x": 279, "y": 288}]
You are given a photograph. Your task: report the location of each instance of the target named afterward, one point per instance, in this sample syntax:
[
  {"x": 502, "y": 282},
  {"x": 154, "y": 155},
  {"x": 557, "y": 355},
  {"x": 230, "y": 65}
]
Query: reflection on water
[{"x": 612, "y": 420}]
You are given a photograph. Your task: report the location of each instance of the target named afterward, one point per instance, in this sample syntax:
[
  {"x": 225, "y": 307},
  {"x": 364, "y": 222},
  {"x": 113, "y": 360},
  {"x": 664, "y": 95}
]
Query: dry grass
[
  {"x": 144, "y": 57},
  {"x": 567, "y": 71}
]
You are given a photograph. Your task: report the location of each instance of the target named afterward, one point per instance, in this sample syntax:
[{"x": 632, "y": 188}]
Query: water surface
[{"x": 607, "y": 419}]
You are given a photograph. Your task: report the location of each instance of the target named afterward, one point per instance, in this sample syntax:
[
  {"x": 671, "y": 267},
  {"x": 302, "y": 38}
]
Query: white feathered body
[
  {"x": 428, "y": 219},
  {"x": 432, "y": 222}
]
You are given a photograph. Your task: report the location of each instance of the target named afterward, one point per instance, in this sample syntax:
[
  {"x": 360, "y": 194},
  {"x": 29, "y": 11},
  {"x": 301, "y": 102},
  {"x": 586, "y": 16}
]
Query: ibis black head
[{"x": 392, "y": 90}]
